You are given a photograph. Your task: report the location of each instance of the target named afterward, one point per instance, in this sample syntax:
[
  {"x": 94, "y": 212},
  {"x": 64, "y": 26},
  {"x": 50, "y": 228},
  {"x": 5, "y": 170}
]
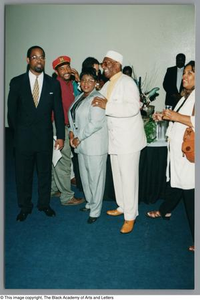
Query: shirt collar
[
  {"x": 116, "y": 76},
  {"x": 33, "y": 76}
]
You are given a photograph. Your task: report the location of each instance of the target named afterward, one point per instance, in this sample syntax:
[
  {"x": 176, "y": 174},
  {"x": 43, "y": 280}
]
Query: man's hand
[
  {"x": 75, "y": 142},
  {"x": 99, "y": 102},
  {"x": 75, "y": 74},
  {"x": 59, "y": 144}
]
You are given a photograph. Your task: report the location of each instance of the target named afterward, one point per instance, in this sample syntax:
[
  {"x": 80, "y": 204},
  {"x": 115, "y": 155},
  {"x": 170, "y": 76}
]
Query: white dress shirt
[{"x": 179, "y": 78}]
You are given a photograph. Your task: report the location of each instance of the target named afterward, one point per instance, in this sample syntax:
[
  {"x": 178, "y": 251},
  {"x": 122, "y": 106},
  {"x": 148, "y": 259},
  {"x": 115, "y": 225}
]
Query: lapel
[
  {"x": 116, "y": 87},
  {"x": 87, "y": 102},
  {"x": 27, "y": 92},
  {"x": 43, "y": 93},
  {"x": 72, "y": 125},
  {"x": 174, "y": 73}
]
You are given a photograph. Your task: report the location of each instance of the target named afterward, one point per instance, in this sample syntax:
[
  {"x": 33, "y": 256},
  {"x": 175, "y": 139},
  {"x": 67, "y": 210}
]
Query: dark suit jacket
[
  {"x": 169, "y": 85},
  {"x": 33, "y": 126}
]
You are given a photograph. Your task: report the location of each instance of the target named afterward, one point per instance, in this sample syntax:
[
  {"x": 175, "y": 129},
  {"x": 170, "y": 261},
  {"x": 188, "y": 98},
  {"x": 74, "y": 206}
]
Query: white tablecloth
[{"x": 157, "y": 144}]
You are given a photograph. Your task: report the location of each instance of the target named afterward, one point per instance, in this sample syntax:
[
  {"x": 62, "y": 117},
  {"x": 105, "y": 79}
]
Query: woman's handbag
[{"x": 188, "y": 145}]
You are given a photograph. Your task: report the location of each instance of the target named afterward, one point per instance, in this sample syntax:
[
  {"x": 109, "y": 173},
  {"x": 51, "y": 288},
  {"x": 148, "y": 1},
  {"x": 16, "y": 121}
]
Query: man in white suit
[{"x": 126, "y": 136}]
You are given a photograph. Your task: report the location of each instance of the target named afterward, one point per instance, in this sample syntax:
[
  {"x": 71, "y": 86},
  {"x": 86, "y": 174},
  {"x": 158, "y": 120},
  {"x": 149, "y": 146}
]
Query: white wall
[{"x": 148, "y": 36}]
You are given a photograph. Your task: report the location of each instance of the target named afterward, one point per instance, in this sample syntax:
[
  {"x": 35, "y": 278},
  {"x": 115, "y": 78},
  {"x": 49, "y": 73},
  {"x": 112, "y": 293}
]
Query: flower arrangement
[
  {"x": 150, "y": 129},
  {"x": 147, "y": 95}
]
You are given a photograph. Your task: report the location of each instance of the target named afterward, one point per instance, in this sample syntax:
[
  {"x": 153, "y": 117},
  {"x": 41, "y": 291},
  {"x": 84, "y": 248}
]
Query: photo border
[{"x": 4, "y": 291}]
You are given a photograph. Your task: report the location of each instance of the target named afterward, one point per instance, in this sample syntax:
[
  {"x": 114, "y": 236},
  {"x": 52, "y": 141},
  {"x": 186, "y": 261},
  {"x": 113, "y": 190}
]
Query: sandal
[
  {"x": 191, "y": 248},
  {"x": 156, "y": 214}
]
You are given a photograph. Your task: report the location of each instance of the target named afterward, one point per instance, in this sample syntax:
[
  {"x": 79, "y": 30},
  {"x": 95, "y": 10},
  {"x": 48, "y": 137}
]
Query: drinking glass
[{"x": 168, "y": 107}]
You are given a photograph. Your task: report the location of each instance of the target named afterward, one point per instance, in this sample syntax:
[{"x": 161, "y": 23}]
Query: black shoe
[
  {"x": 22, "y": 216},
  {"x": 84, "y": 209},
  {"x": 91, "y": 220},
  {"x": 48, "y": 211}
]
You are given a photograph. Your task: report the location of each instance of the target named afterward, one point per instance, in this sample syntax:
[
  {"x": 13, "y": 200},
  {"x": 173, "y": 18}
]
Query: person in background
[
  {"x": 61, "y": 173},
  {"x": 180, "y": 171},
  {"x": 122, "y": 108},
  {"x": 91, "y": 62},
  {"x": 127, "y": 70},
  {"x": 76, "y": 89},
  {"x": 89, "y": 137},
  {"x": 102, "y": 81},
  {"x": 172, "y": 83},
  {"x": 32, "y": 98}
]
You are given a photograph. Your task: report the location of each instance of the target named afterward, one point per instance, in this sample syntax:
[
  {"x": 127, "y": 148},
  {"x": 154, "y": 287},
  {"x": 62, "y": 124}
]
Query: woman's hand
[
  {"x": 157, "y": 116},
  {"x": 71, "y": 137},
  {"x": 171, "y": 115},
  {"x": 99, "y": 102}
]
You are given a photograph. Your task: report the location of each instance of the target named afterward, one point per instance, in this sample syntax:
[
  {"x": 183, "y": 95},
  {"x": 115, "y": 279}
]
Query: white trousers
[{"x": 125, "y": 171}]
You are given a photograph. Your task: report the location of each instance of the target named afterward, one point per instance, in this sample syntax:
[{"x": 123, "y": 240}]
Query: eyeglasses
[
  {"x": 90, "y": 81},
  {"x": 107, "y": 63},
  {"x": 35, "y": 57}
]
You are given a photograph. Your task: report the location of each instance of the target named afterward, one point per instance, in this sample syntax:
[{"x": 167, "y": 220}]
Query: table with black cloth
[{"x": 152, "y": 174}]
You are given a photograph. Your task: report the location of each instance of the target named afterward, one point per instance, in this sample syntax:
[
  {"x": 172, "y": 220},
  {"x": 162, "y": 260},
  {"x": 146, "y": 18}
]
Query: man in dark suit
[
  {"x": 32, "y": 99},
  {"x": 172, "y": 83}
]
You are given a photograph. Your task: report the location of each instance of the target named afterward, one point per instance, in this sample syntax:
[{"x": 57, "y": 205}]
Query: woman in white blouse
[{"x": 180, "y": 171}]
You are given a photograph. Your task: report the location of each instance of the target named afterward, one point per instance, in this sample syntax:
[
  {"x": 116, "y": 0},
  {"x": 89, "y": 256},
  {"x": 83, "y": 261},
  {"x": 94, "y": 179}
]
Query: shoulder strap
[
  {"x": 193, "y": 111},
  {"x": 181, "y": 105}
]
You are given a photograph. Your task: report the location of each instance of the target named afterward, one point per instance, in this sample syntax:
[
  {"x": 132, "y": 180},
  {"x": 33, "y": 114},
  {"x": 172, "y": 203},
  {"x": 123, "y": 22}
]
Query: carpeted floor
[{"x": 67, "y": 253}]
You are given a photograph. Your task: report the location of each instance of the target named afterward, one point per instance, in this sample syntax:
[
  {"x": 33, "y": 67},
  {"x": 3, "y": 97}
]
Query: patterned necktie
[{"x": 36, "y": 92}]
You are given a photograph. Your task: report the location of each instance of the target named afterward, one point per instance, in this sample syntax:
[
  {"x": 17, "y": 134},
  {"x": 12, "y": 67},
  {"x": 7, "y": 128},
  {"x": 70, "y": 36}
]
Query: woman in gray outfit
[{"x": 89, "y": 137}]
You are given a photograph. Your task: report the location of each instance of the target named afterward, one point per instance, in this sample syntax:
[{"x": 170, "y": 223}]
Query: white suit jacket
[
  {"x": 125, "y": 124},
  {"x": 90, "y": 127}
]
